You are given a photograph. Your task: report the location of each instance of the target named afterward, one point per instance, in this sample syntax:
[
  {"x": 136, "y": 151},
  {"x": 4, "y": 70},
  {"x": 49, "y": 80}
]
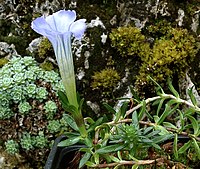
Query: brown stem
[{"x": 139, "y": 162}]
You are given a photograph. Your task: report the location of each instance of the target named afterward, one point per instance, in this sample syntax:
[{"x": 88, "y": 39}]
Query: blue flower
[
  {"x": 60, "y": 23},
  {"x": 59, "y": 28}
]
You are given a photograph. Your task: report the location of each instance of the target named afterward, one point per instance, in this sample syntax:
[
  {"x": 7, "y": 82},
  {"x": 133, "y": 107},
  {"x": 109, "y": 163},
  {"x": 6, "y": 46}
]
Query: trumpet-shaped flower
[{"x": 58, "y": 28}]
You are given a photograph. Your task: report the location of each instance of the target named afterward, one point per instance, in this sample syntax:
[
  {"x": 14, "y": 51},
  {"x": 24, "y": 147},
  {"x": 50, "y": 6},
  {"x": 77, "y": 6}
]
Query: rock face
[{"x": 95, "y": 52}]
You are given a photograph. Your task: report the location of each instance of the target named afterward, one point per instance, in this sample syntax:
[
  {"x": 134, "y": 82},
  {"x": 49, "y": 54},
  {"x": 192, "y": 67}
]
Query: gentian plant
[
  {"x": 59, "y": 28},
  {"x": 129, "y": 137}
]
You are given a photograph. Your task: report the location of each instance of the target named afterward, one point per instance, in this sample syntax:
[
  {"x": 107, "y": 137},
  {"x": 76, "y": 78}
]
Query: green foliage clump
[
  {"x": 27, "y": 142},
  {"x": 5, "y": 113},
  {"x": 40, "y": 140},
  {"x": 24, "y": 107},
  {"x": 12, "y": 147},
  {"x": 50, "y": 108},
  {"x": 106, "y": 79},
  {"x": 26, "y": 91},
  {"x": 129, "y": 41},
  {"x": 54, "y": 126},
  {"x": 45, "y": 49}
]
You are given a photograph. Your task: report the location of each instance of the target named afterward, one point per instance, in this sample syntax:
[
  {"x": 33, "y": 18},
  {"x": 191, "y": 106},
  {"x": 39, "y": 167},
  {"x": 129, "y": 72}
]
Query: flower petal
[
  {"x": 40, "y": 26},
  {"x": 61, "y": 20},
  {"x": 78, "y": 28}
]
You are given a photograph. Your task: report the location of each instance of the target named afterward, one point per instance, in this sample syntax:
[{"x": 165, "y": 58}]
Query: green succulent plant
[
  {"x": 27, "y": 142},
  {"x": 50, "y": 108},
  {"x": 26, "y": 94},
  {"x": 24, "y": 107},
  {"x": 12, "y": 147},
  {"x": 54, "y": 126},
  {"x": 40, "y": 140}
]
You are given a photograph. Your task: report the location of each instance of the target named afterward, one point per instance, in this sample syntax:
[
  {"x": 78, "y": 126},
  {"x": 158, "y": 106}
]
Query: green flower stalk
[{"x": 59, "y": 28}]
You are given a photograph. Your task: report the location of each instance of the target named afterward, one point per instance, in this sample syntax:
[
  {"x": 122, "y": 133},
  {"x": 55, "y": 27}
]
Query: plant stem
[
  {"x": 139, "y": 162},
  {"x": 162, "y": 96}
]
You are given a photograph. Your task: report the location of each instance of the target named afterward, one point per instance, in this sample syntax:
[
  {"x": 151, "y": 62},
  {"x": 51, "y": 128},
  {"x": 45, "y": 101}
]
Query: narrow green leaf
[
  {"x": 119, "y": 155},
  {"x": 135, "y": 121},
  {"x": 164, "y": 114},
  {"x": 135, "y": 166},
  {"x": 192, "y": 97},
  {"x": 175, "y": 146},
  {"x": 156, "y": 118},
  {"x": 159, "y": 89},
  {"x": 90, "y": 164},
  {"x": 121, "y": 112},
  {"x": 69, "y": 142},
  {"x": 84, "y": 159},
  {"x": 111, "y": 148},
  {"x": 182, "y": 120},
  {"x": 133, "y": 158},
  {"x": 96, "y": 158},
  {"x": 63, "y": 98},
  {"x": 71, "y": 122},
  {"x": 163, "y": 130},
  {"x": 162, "y": 138},
  {"x": 142, "y": 110},
  {"x": 117, "y": 166},
  {"x": 156, "y": 146},
  {"x": 197, "y": 149},
  {"x": 172, "y": 89},
  {"x": 160, "y": 106},
  {"x": 115, "y": 159},
  {"x": 167, "y": 112},
  {"x": 123, "y": 108},
  {"x": 81, "y": 104},
  {"x": 184, "y": 148},
  {"x": 109, "y": 108},
  {"x": 195, "y": 124},
  {"x": 153, "y": 133},
  {"x": 72, "y": 134},
  {"x": 94, "y": 125},
  {"x": 135, "y": 95},
  {"x": 87, "y": 150},
  {"x": 148, "y": 129},
  {"x": 169, "y": 125}
]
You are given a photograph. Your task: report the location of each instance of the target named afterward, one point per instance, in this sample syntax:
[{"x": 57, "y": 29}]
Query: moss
[
  {"x": 3, "y": 61},
  {"x": 106, "y": 79},
  {"x": 129, "y": 41},
  {"x": 159, "y": 29},
  {"x": 171, "y": 53},
  {"x": 47, "y": 65},
  {"x": 45, "y": 49}
]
